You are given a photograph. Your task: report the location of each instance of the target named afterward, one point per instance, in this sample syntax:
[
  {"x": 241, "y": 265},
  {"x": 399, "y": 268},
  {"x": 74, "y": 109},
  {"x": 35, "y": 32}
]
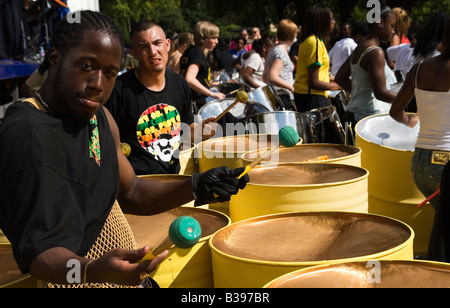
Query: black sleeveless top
[{"x": 59, "y": 178}]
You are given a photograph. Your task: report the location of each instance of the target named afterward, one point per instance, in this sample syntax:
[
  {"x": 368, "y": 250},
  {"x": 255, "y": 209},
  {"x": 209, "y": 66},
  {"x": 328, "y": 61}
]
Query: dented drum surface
[
  {"x": 252, "y": 252},
  {"x": 182, "y": 268},
  {"x": 307, "y": 153},
  {"x": 369, "y": 274},
  {"x": 307, "y": 187}
]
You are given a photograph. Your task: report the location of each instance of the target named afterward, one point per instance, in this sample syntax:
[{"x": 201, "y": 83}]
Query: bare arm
[
  {"x": 342, "y": 78},
  {"x": 143, "y": 196},
  {"x": 194, "y": 84},
  {"x": 374, "y": 63},
  {"x": 272, "y": 76},
  {"x": 316, "y": 83},
  {"x": 247, "y": 75},
  {"x": 402, "y": 100},
  {"x": 116, "y": 266}
]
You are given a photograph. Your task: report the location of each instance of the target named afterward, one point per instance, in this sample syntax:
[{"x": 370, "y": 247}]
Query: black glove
[{"x": 217, "y": 185}]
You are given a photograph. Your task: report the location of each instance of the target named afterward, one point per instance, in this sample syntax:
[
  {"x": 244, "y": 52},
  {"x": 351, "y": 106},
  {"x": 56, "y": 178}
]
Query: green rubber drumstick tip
[
  {"x": 288, "y": 137},
  {"x": 185, "y": 232}
]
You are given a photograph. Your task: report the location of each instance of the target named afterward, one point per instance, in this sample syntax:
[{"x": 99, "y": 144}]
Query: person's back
[
  {"x": 363, "y": 101},
  {"x": 340, "y": 52},
  {"x": 432, "y": 91},
  {"x": 371, "y": 95}
]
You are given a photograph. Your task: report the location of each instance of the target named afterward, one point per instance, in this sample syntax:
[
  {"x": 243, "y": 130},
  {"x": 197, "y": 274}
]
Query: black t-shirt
[
  {"x": 194, "y": 55},
  {"x": 57, "y": 187},
  {"x": 151, "y": 122},
  {"x": 224, "y": 60}
]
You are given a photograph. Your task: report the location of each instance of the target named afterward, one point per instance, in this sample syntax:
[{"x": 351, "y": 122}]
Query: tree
[{"x": 127, "y": 12}]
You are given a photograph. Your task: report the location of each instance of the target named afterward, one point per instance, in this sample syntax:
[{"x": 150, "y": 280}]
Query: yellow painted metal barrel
[
  {"x": 369, "y": 274},
  {"x": 228, "y": 151},
  {"x": 10, "y": 275},
  {"x": 301, "y": 188},
  {"x": 182, "y": 268},
  {"x": 188, "y": 162},
  {"x": 311, "y": 152},
  {"x": 387, "y": 150},
  {"x": 253, "y": 252}
]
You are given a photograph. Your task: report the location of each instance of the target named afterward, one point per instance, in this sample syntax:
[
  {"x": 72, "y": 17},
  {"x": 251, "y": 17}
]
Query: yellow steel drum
[
  {"x": 3, "y": 239},
  {"x": 10, "y": 275},
  {"x": 301, "y": 188},
  {"x": 369, "y": 274},
  {"x": 228, "y": 151},
  {"x": 182, "y": 268},
  {"x": 387, "y": 150},
  {"x": 312, "y": 152},
  {"x": 252, "y": 252},
  {"x": 188, "y": 163}
]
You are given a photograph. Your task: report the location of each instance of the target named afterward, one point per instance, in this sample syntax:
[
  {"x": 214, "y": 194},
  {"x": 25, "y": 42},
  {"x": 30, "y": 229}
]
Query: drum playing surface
[
  {"x": 308, "y": 237},
  {"x": 392, "y": 274},
  {"x": 151, "y": 230},
  {"x": 292, "y": 175},
  {"x": 307, "y": 153},
  {"x": 241, "y": 143}
]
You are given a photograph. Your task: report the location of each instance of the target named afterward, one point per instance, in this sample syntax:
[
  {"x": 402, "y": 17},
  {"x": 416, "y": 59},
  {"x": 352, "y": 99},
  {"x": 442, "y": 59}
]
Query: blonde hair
[
  {"x": 286, "y": 30},
  {"x": 403, "y": 22},
  {"x": 186, "y": 38},
  {"x": 204, "y": 30}
]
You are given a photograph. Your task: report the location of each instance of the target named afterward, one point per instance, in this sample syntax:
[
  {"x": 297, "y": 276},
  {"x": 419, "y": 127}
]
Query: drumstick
[
  {"x": 288, "y": 138},
  {"x": 437, "y": 192},
  {"x": 184, "y": 232},
  {"x": 241, "y": 96}
]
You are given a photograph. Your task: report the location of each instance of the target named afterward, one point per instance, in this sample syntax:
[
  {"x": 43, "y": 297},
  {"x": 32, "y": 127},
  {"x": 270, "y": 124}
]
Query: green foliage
[
  {"x": 127, "y": 12},
  {"x": 232, "y": 15},
  {"x": 425, "y": 9}
]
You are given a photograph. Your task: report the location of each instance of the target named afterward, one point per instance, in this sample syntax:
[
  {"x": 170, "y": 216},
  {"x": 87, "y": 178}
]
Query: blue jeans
[{"x": 427, "y": 176}]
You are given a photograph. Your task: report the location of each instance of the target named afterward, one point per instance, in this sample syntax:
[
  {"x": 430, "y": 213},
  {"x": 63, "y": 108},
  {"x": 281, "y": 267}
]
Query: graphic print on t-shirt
[{"x": 158, "y": 131}]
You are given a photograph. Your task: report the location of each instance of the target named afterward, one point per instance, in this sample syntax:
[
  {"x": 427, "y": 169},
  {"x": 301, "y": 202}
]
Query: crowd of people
[{"x": 74, "y": 185}]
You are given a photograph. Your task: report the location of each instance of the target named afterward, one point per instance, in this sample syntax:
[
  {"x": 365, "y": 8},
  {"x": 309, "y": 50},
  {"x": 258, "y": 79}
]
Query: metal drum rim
[{"x": 308, "y": 264}]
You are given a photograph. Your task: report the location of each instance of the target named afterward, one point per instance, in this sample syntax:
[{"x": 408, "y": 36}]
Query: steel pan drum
[
  {"x": 387, "y": 150},
  {"x": 10, "y": 275},
  {"x": 306, "y": 153},
  {"x": 3, "y": 239},
  {"x": 188, "y": 163},
  {"x": 228, "y": 151},
  {"x": 392, "y": 274},
  {"x": 239, "y": 111},
  {"x": 301, "y": 188},
  {"x": 326, "y": 126},
  {"x": 253, "y": 252},
  {"x": 182, "y": 268},
  {"x": 266, "y": 96},
  {"x": 229, "y": 89},
  {"x": 271, "y": 123}
]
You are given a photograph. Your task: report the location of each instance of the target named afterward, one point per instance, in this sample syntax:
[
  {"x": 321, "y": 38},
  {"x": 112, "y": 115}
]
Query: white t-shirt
[
  {"x": 403, "y": 57},
  {"x": 340, "y": 53},
  {"x": 256, "y": 63}
]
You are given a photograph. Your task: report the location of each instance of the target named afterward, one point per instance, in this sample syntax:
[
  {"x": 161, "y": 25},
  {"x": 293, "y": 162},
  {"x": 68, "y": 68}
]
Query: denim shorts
[{"x": 427, "y": 175}]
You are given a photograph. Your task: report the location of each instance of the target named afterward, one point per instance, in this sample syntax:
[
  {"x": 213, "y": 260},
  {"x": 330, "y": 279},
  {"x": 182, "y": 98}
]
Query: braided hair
[{"x": 69, "y": 33}]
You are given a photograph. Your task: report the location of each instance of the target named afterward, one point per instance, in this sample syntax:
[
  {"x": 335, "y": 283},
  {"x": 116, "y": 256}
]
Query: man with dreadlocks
[{"x": 62, "y": 170}]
